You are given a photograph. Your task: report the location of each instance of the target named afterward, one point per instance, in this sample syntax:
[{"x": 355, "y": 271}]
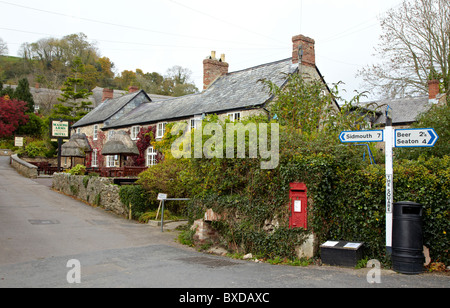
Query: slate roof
[
  {"x": 404, "y": 110},
  {"x": 233, "y": 91},
  {"x": 107, "y": 109}
]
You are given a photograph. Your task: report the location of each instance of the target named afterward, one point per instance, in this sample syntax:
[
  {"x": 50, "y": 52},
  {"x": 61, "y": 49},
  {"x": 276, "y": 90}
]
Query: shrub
[
  {"x": 166, "y": 178},
  {"x": 138, "y": 198},
  {"x": 78, "y": 170}
]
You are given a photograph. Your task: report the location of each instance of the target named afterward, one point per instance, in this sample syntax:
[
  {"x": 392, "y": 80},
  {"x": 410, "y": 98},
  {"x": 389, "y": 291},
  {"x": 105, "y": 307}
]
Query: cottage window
[
  {"x": 161, "y": 129},
  {"x": 234, "y": 117},
  {"x": 196, "y": 122},
  {"x": 95, "y": 135},
  {"x": 94, "y": 162},
  {"x": 134, "y": 132},
  {"x": 151, "y": 157},
  {"x": 112, "y": 161}
]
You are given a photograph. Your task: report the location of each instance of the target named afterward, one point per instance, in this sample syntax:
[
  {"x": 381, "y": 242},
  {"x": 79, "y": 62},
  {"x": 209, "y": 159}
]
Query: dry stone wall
[
  {"x": 97, "y": 191},
  {"x": 24, "y": 168}
]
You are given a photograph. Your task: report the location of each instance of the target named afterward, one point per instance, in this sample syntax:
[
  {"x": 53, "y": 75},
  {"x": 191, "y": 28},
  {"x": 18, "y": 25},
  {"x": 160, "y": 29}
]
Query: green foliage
[
  {"x": 438, "y": 117},
  {"x": 77, "y": 170},
  {"x": 186, "y": 237},
  {"x": 166, "y": 178},
  {"x": 349, "y": 204},
  {"x": 22, "y": 93},
  {"x": 36, "y": 148},
  {"x": 74, "y": 95},
  {"x": 35, "y": 126},
  {"x": 139, "y": 199}
]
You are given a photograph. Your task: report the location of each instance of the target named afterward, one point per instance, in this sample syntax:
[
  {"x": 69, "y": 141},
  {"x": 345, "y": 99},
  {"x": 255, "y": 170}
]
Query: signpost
[
  {"x": 59, "y": 129},
  {"x": 18, "y": 141},
  {"x": 400, "y": 138},
  {"x": 362, "y": 136},
  {"x": 163, "y": 197},
  {"x": 415, "y": 137}
]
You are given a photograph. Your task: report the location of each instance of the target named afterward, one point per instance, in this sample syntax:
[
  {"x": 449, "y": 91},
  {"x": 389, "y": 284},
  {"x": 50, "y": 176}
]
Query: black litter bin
[{"x": 407, "y": 238}]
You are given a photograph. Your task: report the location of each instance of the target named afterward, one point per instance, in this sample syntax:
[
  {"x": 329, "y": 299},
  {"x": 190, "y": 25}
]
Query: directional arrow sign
[
  {"x": 415, "y": 137},
  {"x": 362, "y": 136}
]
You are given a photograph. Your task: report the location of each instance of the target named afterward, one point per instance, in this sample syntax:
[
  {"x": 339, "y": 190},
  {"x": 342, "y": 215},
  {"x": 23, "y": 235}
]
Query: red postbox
[{"x": 298, "y": 206}]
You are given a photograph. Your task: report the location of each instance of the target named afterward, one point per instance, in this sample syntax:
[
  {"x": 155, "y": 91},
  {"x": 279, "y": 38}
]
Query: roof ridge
[{"x": 260, "y": 65}]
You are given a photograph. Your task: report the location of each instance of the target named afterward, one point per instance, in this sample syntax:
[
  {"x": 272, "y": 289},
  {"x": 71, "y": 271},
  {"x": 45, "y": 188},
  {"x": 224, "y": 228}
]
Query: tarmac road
[{"x": 42, "y": 230}]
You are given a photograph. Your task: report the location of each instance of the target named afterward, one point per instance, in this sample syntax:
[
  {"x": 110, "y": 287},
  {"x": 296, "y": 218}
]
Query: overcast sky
[{"x": 154, "y": 35}]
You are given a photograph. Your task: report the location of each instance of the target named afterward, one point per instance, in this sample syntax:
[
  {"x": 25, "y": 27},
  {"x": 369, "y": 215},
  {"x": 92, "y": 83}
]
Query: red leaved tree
[{"x": 12, "y": 115}]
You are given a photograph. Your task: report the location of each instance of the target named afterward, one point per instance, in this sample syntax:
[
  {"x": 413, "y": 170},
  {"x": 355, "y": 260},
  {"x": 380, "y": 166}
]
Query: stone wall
[
  {"x": 97, "y": 191},
  {"x": 5, "y": 152},
  {"x": 24, "y": 168}
]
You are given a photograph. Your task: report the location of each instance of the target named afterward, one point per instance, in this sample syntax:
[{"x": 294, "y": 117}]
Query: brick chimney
[
  {"x": 107, "y": 94},
  {"x": 213, "y": 68},
  {"x": 305, "y": 47},
  {"x": 433, "y": 88},
  {"x": 133, "y": 89}
]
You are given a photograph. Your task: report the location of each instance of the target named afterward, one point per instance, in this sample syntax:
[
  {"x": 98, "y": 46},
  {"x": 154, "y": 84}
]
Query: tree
[
  {"x": 438, "y": 117},
  {"x": 22, "y": 93},
  {"x": 178, "y": 82},
  {"x": 3, "y": 47},
  {"x": 106, "y": 74},
  {"x": 12, "y": 115},
  {"x": 414, "y": 47},
  {"x": 73, "y": 91},
  {"x": 53, "y": 58}
]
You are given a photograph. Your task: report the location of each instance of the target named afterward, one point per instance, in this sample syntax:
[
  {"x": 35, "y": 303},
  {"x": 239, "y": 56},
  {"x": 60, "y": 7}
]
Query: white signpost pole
[{"x": 389, "y": 144}]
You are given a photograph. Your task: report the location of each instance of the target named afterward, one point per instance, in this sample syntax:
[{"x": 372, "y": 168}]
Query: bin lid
[
  {"x": 342, "y": 245},
  {"x": 407, "y": 208},
  {"x": 407, "y": 203}
]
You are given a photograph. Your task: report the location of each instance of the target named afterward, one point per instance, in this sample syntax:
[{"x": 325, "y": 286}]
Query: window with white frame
[
  {"x": 95, "y": 135},
  {"x": 151, "y": 157},
  {"x": 135, "y": 132},
  {"x": 78, "y": 130},
  {"x": 234, "y": 117},
  {"x": 94, "y": 160},
  {"x": 112, "y": 161},
  {"x": 161, "y": 129},
  {"x": 196, "y": 122}
]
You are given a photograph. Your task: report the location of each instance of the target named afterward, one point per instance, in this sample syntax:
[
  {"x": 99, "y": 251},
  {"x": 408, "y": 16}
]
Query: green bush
[
  {"x": 35, "y": 149},
  {"x": 166, "y": 178},
  {"x": 78, "y": 170},
  {"x": 139, "y": 199},
  {"x": 354, "y": 209}
]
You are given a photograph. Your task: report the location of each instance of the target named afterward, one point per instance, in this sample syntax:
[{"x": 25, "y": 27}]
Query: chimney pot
[{"x": 213, "y": 69}]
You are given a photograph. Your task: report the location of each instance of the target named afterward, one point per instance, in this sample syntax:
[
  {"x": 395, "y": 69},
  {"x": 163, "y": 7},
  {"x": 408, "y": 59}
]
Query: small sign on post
[
  {"x": 162, "y": 196},
  {"x": 59, "y": 129},
  {"x": 18, "y": 141},
  {"x": 415, "y": 137},
  {"x": 362, "y": 136}
]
